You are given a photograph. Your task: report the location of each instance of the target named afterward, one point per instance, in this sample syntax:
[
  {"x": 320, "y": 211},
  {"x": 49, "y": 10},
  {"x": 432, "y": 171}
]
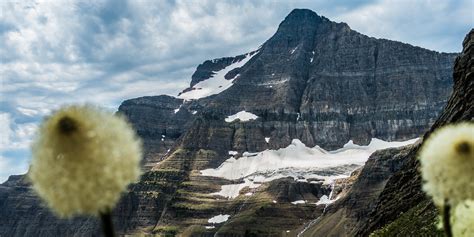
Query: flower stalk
[
  {"x": 447, "y": 220},
  {"x": 107, "y": 224}
]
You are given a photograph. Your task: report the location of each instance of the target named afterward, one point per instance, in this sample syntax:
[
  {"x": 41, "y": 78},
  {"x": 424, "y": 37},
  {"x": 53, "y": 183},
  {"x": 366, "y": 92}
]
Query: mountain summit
[{"x": 260, "y": 143}]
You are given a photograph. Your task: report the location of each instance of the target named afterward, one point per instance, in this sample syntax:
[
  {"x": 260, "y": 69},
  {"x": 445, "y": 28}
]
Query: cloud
[
  {"x": 103, "y": 52},
  {"x": 13, "y": 141},
  {"x": 9, "y": 167},
  {"x": 437, "y": 25},
  {"x": 6, "y": 130}
]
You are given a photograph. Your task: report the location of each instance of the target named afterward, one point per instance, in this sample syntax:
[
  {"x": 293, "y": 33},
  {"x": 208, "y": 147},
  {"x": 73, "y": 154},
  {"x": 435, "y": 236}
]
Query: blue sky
[{"x": 102, "y": 52}]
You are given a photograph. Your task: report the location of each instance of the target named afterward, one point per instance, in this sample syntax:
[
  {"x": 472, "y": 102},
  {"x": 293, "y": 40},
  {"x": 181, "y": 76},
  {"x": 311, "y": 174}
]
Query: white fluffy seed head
[
  {"x": 83, "y": 159},
  {"x": 463, "y": 219},
  {"x": 447, "y": 164}
]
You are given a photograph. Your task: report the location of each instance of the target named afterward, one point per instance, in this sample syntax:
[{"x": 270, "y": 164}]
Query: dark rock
[{"x": 206, "y": 69}]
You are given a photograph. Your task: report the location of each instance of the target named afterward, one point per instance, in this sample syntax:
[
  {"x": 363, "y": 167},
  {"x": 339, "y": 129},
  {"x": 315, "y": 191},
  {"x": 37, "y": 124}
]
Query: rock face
[
  {"x": 314, "y": 80},
  {"x": 398, "y": 191},
  {"x": 208, "y": 68},
  {"x": 343, "y": 85},
  {"x": 160, "y": 128}
]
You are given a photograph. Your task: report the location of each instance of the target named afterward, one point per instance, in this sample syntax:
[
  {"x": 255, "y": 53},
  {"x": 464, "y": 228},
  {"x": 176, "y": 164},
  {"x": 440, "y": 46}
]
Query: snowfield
[
  {"x": 297, "y": 161},
  {"x": 216, "y": 83},
  {"x": 231, "y": 191},
  {"x": 243, "y": 116}
]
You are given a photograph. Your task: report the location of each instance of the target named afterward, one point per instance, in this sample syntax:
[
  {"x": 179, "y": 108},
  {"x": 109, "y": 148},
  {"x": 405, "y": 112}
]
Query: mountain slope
[
  {"x": 314, "y": 82},
  {"x": 399, "y": 191}
]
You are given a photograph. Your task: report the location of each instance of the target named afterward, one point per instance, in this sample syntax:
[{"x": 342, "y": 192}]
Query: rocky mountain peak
[
  {"x": 305, "y": 25},
  {"x": 302, "y": 17}
]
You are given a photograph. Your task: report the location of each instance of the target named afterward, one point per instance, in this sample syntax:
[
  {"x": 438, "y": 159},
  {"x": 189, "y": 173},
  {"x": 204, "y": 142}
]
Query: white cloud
[
  {"x": 5, "y": 129},
  {"x": 10, "y": 140},
  {"x": 8, "y": 167}
]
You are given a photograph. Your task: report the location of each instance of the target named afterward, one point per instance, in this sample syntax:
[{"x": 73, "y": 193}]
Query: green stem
[
  {"x": 446, "y": 220},
  {"x": 107, "y": 225}
]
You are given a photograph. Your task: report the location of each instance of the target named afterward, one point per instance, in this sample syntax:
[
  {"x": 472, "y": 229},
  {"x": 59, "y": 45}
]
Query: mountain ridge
[{"x": 320, "y": 83}]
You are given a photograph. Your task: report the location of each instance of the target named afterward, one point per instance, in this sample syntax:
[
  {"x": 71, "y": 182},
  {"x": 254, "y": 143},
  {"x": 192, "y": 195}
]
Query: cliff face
[
  {"x": 314, "y": 80},
  {"x": 399, "y": 190}
]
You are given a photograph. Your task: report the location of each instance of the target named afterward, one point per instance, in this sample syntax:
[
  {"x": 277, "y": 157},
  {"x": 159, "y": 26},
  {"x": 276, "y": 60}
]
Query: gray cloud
[{"x": 56, "y": 52}]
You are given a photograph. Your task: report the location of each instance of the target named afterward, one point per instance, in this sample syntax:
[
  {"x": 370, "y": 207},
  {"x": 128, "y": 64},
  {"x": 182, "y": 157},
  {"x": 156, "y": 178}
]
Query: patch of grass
[
  {"x": 421, "y": 220},
  {"x": 166, "y": 230},
  {"x": 192, "y": 206}
]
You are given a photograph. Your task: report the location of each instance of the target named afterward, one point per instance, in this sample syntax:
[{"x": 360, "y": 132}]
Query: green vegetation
[
  {"x": 421, "y": 220},
  {"x": 166, "y": 230}
]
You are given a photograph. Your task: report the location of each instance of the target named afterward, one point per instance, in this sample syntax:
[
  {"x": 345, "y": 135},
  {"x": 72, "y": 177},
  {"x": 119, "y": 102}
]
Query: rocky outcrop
[
  {"x": 343, "y": 85},
  {"x": 323, "y": 83},
  {"x": 403, "y": 190},
  {"x": 314, "y": 80},
  {"x": 399, "y": 190},
  {"x": 22, "y": 214},
  {"x": 349, "y": 213},
  {"x": 208, "y": 68},
  {"x": 159, "y": 121}
]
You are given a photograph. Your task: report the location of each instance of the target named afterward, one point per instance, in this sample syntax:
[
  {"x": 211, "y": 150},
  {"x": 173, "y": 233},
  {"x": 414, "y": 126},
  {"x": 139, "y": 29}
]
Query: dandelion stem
[
  {"x": 446, "y": 220},
  {"x": 107, "y": 225}
]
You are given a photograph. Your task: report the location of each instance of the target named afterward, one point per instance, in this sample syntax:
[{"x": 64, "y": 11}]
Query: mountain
[
  {"x": 260, "y": 144},
  {"x": 395, "y": 200}
]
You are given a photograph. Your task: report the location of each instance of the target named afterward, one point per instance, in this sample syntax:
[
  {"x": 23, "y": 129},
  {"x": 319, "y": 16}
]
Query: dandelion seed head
[
  {"x": 83, "y": 159},
  {"x": 463, "y": 219},
  {"x": 447, "y": 164}
]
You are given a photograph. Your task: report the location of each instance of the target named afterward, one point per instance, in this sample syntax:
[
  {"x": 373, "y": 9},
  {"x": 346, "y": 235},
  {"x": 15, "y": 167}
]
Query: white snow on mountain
[
  {"x": 243, "y": 116},
  {"x": 297, "y": 161},
  {"x": 298, "y": 202},
  {"x": 218, "y": 219},
  {"x": 324, "y": 200},
  {"x": 293, "y": 50},
  {"x": 231, "y": 191},
  {"x": 217, "y": 83}
]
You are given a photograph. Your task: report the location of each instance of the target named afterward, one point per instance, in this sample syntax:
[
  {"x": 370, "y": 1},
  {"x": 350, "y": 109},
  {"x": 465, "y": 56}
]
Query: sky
[{"x": 103, "y": 52}]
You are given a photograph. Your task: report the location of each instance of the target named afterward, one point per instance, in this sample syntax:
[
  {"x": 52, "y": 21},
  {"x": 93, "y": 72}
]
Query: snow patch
[
  {"x": 297, "y": 161},
  {"x": 324, "y": 200},
  {"x": 218, "y": 219},
  {"x": 217, "y": 83},
  {"x": 298, "y": 155},
  {"x": 194, "y": 112},
  {"x": 267, "y": 139},
  {"x": 231, "y": 191},
  {"x": 298, "y": 202},
  {"x": 233, "y": 153},
  {"x": 243, "y": 116},
  {"x": 293, "y": 50},
  {"x": 210, "y": 227}
]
